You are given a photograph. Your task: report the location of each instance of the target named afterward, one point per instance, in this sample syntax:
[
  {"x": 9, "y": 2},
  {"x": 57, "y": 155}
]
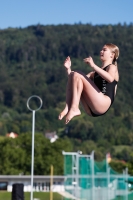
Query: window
[{"x": 3, "y": 185}]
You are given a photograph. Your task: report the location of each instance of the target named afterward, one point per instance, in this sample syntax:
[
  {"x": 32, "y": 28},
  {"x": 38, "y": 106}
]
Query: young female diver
[{"x": 96, "y": 90}]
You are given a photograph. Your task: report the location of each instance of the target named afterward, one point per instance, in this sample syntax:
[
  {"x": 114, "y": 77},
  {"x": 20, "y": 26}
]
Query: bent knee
[{"x": 76, "y": 75}]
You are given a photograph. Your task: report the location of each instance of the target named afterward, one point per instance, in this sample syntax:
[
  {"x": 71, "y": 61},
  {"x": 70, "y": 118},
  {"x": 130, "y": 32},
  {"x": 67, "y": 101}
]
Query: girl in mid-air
[{"x": 96, "y": 90}]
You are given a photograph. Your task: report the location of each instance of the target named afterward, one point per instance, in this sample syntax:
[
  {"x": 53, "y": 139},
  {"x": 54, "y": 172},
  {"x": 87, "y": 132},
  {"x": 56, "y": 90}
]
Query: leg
[
  {"x": 77, "y": 87},
  {"x": 68, "y": 97},
  {"x": 93, "y": 97},
  {"x": 85, "y": 106},
  {"x": 67, "y": 64}
]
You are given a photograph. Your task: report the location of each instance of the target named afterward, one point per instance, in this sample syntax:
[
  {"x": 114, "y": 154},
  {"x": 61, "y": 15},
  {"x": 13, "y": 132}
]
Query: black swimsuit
[{"x": 105, "y": 87}]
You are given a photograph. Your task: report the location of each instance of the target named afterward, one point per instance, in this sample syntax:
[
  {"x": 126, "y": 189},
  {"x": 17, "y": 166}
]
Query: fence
[{"x": 87, "y": 179}]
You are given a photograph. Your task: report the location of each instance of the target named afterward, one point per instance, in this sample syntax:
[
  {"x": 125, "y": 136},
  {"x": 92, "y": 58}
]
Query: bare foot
[
  {"x": 63, "y": 113},
  {"x": 72, "y": 113}
]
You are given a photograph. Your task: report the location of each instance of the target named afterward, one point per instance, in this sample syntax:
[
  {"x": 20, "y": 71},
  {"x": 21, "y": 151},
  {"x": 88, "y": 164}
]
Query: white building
[
  {"x": 52, "y": 136},
  {"x": 41, "y": 183}
]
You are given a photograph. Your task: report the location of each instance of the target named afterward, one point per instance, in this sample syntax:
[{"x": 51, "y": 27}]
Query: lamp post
[{"x": 33, "y": 134}]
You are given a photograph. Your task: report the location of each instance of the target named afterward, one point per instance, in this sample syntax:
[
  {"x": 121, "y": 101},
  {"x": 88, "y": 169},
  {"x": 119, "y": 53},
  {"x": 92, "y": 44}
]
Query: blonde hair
[{"x": 114, "y": 50}]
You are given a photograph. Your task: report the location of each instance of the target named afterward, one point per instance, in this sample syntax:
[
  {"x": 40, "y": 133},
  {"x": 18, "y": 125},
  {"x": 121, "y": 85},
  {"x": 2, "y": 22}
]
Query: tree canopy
[{"x": 31, "y": 63}]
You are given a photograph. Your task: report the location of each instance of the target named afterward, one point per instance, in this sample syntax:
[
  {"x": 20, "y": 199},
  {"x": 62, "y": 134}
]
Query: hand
[
  {"x": 67, "y": 63},
  {"x": 89, "y": 61}
]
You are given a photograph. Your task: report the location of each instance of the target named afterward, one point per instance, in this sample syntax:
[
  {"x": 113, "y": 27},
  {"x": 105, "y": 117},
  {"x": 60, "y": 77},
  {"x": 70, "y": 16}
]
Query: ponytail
[{"x": 115, "y": 61}]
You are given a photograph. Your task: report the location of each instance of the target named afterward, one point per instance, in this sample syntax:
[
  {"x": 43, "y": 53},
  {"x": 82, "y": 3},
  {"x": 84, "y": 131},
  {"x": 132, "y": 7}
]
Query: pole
[
  {"x": 51, "y": 183},
  {"x": 32, "y": 156},
  {"x": 126, "y": 171},
  {"x": 108, "y": 181},
  {"x": 77, "y": 178},
  {"x": 33, "y": 135},
  {"x": 93, "y": 174}
]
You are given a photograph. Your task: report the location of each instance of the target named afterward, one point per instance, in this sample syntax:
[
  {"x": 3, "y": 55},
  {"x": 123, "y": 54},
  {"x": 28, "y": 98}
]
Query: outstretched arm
[{"x": 109, "y": 75}]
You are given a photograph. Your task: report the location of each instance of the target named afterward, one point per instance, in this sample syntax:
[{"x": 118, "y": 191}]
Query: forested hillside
[{"x": 31, "y": 63}]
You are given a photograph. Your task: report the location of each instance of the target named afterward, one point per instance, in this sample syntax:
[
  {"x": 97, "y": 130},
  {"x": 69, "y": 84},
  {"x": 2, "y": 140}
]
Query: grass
[
  {"x": 46, "y": 196},
  {"x": 36, "y": 195}
]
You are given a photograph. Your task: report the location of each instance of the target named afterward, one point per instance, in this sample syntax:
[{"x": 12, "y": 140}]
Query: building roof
[{"x": 28, "y": 177}]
